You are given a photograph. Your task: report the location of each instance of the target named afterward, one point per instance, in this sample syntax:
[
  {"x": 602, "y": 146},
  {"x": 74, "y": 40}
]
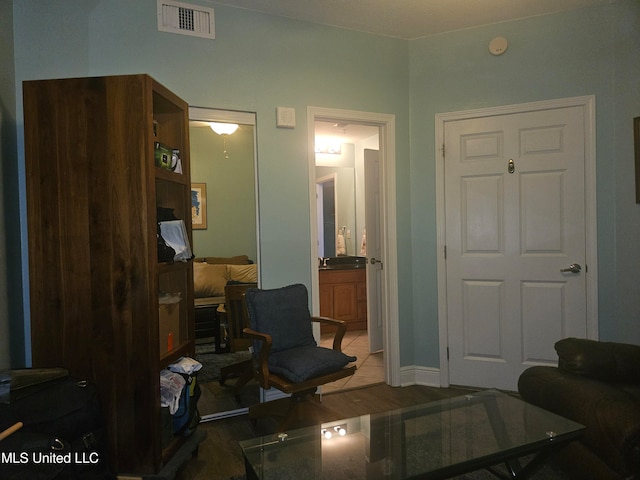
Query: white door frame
[
  {"x": 386, "y": 123},
  {"x": 588, "y": 103}
]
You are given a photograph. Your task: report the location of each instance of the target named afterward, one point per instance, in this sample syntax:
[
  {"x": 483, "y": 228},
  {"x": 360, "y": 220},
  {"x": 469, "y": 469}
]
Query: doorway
[
  {"x": 351, "y": 238},
  {"x": 516, "y": 213}
]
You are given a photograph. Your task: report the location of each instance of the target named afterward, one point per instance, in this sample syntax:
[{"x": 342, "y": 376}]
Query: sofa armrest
[
  {"x": 606, "y": 361},
  {"x": 610, "y": 415}
]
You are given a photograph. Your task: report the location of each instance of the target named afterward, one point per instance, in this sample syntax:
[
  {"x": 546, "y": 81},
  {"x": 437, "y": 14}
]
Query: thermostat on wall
[
  {"x": 498, "y": 46},
  {"x": 285, "y": 117}
]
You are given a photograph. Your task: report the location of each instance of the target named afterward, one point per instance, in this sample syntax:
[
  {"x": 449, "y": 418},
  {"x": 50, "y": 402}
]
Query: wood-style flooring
[{"x": 220, "y": 456}]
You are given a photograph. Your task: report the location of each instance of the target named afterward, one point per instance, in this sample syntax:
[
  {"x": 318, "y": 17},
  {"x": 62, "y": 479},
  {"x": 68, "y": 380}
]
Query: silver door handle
[{"x": 573, "y": 268}]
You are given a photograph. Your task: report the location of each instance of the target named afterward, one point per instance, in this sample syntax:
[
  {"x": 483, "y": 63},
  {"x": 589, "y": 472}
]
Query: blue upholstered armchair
[{"x": 287, "y": 357}]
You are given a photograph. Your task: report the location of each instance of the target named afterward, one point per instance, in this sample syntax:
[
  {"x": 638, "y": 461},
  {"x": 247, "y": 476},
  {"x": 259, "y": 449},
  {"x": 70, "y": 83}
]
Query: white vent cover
[{"x": 185, "y": 19}]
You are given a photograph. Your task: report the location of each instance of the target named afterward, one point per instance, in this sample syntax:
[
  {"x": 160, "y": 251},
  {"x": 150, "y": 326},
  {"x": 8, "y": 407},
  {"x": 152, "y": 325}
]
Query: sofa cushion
[
  {"x": 302, "y": 363},
  {"x": 243, "y": 273},
  {"x": 613, "y": 362},
  {"x": 611, "y": 415},
  {"x": 209, "y": 280}
]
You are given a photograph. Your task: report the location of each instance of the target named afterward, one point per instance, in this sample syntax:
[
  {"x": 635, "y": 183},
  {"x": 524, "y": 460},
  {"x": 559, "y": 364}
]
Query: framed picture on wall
[{"x": 199, "y": 206}]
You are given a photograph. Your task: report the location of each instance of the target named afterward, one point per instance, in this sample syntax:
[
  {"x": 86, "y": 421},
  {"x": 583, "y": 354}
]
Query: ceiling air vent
[{"x": 185, "y": 19}]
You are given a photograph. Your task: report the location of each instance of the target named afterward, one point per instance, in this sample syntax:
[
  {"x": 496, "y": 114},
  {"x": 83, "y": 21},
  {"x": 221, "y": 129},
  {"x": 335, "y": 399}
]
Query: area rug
[{"x": 212, "y": 362}]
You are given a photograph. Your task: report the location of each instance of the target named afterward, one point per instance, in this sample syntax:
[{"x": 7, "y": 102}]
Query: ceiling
[{"x": 409, "y": 19}]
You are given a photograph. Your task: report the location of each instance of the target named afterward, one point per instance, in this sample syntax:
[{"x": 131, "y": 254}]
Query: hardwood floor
[{"x": 220, "y": 456}]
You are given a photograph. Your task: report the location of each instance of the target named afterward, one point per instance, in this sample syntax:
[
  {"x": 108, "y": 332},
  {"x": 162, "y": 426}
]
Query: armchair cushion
[
  {"x": 302, "y": 363},
  {"x": 282, "y": 313},
  {"x": 608, "y": 361}
]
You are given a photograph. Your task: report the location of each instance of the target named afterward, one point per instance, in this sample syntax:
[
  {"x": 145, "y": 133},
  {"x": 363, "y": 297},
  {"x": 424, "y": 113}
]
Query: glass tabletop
[{"x": 432, "y": 440}]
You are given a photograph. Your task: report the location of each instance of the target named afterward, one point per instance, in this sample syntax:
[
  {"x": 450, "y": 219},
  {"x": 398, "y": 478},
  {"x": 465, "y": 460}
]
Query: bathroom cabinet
[{"x": 343, "y": 296}]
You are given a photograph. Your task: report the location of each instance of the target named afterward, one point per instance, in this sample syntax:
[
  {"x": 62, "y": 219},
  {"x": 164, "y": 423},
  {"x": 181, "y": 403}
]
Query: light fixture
[
  {"x": 328, "y": 146},
  {"x": 224, "y": 129},
  {"x": 329, "y": 432}
]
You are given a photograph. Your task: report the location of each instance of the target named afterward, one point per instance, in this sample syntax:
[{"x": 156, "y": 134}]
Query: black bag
[
  {"x": 62, "y": 421},
  {"x": 25, "y": 454},
  {"x": 187, "y": 417}
]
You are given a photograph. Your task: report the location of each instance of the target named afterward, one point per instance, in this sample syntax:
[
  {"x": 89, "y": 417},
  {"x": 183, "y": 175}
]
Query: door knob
[
  {"x": 373, "y": 261},
  {"x": 573, "y": 268}
]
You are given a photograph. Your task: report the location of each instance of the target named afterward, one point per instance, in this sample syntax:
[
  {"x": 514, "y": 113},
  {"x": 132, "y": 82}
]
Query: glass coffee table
[{"x": 431, "y": 441}]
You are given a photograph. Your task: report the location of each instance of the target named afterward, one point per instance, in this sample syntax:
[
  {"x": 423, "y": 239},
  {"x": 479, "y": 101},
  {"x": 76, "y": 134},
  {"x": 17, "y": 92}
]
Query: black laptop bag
[{"x": 63, "y": 434}]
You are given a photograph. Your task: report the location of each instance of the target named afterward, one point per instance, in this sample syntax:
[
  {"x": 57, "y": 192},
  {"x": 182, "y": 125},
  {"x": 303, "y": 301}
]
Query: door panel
[
  {"x": 482, "y": 319},
  {"x": 373, "y": 250},
  {"x": 514, "y": 212}
]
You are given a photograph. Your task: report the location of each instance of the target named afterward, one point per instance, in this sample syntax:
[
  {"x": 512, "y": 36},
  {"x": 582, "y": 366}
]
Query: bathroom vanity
[{"x": 343, "y": 292}]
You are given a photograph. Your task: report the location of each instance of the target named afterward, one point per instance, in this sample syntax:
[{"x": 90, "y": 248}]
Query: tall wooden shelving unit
[{"x": 92, "y": 195}]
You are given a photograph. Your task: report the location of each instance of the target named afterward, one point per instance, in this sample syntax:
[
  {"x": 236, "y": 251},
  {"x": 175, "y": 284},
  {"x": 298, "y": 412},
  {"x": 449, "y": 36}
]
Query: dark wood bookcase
[{"x": 93, "y": 189}]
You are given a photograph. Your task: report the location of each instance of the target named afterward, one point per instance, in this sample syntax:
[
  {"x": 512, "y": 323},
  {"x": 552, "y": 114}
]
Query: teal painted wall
[
  {"x": 593, "y": 51},
  {"x": 258, "y": 62},
  {"x": 11, "y": 324}
]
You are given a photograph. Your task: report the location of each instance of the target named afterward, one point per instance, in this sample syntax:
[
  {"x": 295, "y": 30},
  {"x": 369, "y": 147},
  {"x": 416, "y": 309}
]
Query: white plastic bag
[
  {"x": 171, "y": 385},
  {"x": 186, "y": 365},
  {"x": 175, "y": 234}
]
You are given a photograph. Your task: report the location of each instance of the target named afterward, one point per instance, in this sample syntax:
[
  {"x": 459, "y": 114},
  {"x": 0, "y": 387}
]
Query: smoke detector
[{"x": 185, "y": 19}]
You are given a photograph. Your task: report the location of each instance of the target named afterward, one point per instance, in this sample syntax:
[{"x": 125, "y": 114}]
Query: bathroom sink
[{"x": 344, "y": 262}]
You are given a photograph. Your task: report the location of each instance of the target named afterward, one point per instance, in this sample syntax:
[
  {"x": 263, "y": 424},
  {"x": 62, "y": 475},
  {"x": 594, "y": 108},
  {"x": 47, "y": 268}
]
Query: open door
[{"x": 372, "y": 249}]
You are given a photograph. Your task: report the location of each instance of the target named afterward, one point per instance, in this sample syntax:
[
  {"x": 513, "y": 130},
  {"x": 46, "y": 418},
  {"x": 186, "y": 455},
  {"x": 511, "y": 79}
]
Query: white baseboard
[{"x": 415, "y": 375}]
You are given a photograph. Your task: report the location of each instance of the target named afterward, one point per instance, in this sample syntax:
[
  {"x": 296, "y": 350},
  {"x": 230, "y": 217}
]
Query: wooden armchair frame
[
  {"x": 302, "y": 408},
  {"x": 268, "y": 379}
]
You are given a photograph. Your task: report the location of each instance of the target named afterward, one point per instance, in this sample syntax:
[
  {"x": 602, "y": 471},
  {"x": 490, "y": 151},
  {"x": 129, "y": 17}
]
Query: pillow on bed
[
  {"x": 237, "y": 260},
  {"x": 243, "y": 273},
  {"x": 209, "y": 280}
]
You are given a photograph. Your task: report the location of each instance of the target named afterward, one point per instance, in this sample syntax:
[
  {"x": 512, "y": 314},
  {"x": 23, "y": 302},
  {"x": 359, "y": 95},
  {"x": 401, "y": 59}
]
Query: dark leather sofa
[{"x": 596, "y": 384}]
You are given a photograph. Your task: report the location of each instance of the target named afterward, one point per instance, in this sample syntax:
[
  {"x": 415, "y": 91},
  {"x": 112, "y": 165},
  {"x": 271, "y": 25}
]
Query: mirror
[
  {"x": 225, "y": 245},
  {"x": 340, "y": 186}
]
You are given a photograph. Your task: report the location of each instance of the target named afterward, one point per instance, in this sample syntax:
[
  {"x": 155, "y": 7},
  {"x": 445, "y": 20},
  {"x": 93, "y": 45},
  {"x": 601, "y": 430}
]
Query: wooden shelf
[
  {"x": 170, "y": 176},
  {"x": 92, "y": 195}
]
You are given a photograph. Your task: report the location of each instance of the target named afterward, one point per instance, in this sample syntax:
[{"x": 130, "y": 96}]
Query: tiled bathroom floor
[{"x": 370, "y": 366}]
